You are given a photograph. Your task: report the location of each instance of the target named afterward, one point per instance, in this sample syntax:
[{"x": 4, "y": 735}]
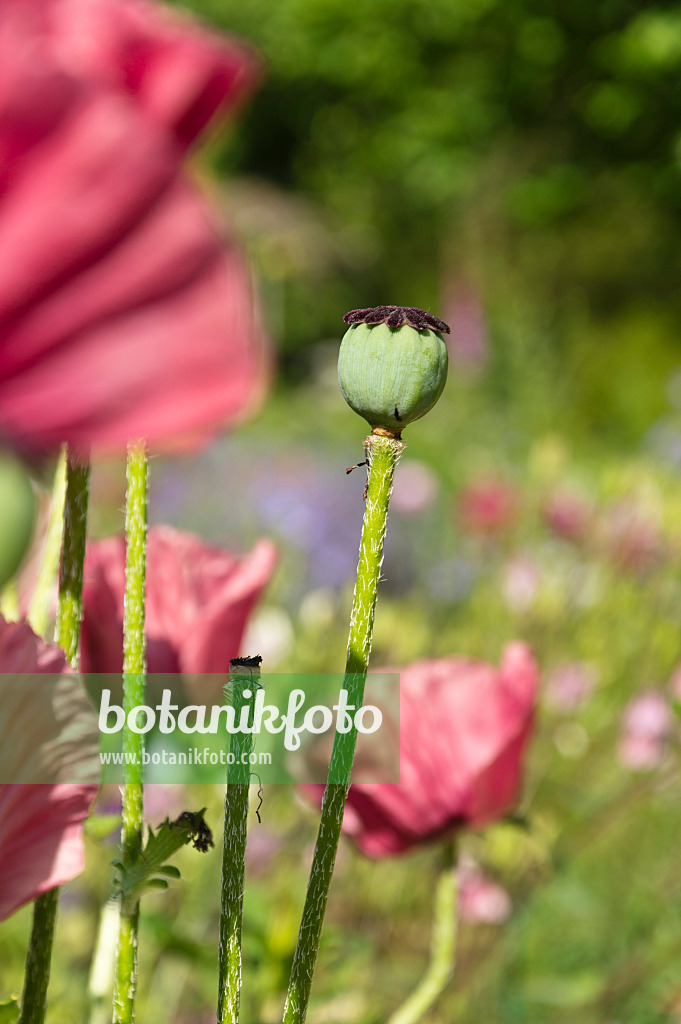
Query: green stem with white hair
[
  {"x": 69, "y": 615},
  {"x": 243, "y": 687},
  {"x": 134, "y": 669},
  {"x": 383, "y": 452}
]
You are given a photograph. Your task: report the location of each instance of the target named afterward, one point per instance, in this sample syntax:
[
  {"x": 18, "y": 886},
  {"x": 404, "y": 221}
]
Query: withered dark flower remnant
[
  {"x": 199, "y": 833},
  {"x": 397, "y": 316},
  {"x": 253, "y": 662}
]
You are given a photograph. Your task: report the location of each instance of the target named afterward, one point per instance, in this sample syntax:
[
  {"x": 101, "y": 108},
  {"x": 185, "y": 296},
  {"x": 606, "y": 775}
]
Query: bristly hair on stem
[
  {"x": 383, "y": 454},
  {"x": 397, "y": 316}
]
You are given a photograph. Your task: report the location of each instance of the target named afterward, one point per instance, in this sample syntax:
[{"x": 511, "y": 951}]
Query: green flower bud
[
  {"x": 392, "y": 365},
  {"x": 17, "y": 509}
]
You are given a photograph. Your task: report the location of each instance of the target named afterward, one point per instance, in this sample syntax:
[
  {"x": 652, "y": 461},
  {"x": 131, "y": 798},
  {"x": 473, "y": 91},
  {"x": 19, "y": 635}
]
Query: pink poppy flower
[
  {"x": 488, "y": 507},
  {"x": 41, "y": 825},
  {"x": 199, "y": 598},
  {"x": 464, "y": 728},
  {"x": 632, "y": 537},
  {"x": 481, "y": 900},
  {"x": 123, "y": 313},
  {"x": 570, "y": 685},
  {"x": 646, "y": 725},
  {"x": 521, "y": 582},
  {"x": 568, "y": 515}
]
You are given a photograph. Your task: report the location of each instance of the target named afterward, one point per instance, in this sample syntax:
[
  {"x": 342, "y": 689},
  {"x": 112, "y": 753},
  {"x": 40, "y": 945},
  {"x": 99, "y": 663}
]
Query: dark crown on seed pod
[{"x": 397, "y": 316}]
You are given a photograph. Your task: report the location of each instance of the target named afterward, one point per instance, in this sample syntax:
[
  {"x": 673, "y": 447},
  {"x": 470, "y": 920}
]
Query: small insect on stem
[
  {"x": 260, "y": 798},
  {"x": 366, "y": 488}
]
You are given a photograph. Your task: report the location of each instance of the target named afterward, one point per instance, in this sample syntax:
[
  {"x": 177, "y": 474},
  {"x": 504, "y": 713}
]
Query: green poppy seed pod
[
  {"x": 17, "y": 510},
  {"x": 392, "y": 365}
]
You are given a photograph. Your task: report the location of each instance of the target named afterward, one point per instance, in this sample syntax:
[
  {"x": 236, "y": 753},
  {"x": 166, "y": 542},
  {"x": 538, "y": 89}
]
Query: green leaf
[
  {"x": 142, "y": 873},
  {"x": 170, "y": 871},
  {"x": 9, "y": 1010},
  {"x": 156, "y": 883},
  {"x": 100, "y": 826}
]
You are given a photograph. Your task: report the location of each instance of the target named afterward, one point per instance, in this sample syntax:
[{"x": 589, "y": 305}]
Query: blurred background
[{"x": 515, "y": 168}]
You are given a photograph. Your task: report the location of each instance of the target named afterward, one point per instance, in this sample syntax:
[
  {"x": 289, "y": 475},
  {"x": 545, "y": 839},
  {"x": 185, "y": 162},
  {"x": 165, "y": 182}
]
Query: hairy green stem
[
  {"x": 134, "y": 667},
  {"x": 70, "y": 606},
  {"x": 39, "y": 958},
  {"x": 40, "y": 608},
  {"x": 243, "y": 687},
  {"x": 69, "y": 614},
  {"x": 442, "y": 949},
  {"x": 383, "y": 453}
]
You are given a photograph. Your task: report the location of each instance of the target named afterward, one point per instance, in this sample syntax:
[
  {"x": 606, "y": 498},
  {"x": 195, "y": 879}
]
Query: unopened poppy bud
[
  {"x": 392, "y": 365},
  {"x": 17, "y": 508}
]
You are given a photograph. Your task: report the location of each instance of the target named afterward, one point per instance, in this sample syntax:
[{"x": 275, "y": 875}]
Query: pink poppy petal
[
  {"x": 41, "y": 833},
  {"x": 122, "y": 312},
  {"x": 199, "y": 598},
  {"x": 41, "y": 839},
  {"x": 181, "y": 74},
  {"x": 464, "y": 730}
]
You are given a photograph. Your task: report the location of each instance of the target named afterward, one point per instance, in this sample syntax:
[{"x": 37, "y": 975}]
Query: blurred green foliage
[{"x": 532, "y": 148}]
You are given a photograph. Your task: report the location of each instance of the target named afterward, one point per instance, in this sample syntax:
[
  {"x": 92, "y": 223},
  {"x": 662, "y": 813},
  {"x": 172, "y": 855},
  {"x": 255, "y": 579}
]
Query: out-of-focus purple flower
[
  {"x": 415, "y": 487},
  {"x": 199, "y": 598},
  {"x": 452, "y": 579},
  {"x": 646, "y": 725},
  {"x": 569, "y": 686},
  {"x": 41, "y": 825},
  {"x": 488, "y": 507},
  {"x": 568, "y": 515},
  {"x": 481, "y": 900},
  {"x": 122, "y": 312},
  {"x": 318, "y": 511},
  {"x": 464, "y": 729},
  {"x": 521, "y": 582}
]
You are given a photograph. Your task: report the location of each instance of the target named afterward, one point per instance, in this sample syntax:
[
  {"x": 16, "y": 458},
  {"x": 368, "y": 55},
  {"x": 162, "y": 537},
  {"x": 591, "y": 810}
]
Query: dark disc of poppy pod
[{"x": 392, "y": 364}]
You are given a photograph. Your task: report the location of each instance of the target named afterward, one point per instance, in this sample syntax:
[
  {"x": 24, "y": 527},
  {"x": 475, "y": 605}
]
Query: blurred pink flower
[
  {"x": 646, "y": 725},
  {"x": 481, "y": 900},
  {"x": 521, "y": 582},
  {"x": 468, "y": 343},
  {"x": 163, "y": 801},
  {"x": 263, "y": 849},
  {"x": 41, "y": 826},
  {"x": 123, "y": 313},
  {"x": 569, "y": 686},
  {"x": 199, "y": 598},
  {"x": 632, "y": 539},
  {"x": 568, "y": 515},
  {"x": 416, "y": 487},
  {"x": 464, "y": 728},
  {"x": 488, "y": 506}
]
